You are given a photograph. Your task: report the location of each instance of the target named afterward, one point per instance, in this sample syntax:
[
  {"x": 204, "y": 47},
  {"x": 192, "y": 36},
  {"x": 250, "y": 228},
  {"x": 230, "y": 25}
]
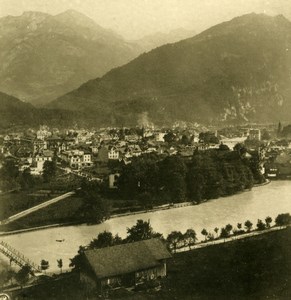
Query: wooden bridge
[{"x": 17, "y": 257}]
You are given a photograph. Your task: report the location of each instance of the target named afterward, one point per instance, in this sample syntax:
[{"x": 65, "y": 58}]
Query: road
[
  {"x": 37, "y": 207},
  {"x": 230, "y": 239}
]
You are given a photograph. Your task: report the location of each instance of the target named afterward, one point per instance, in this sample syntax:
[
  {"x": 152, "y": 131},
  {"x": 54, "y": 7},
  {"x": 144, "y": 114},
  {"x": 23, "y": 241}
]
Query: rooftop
[{"x": 126, "y": 258}]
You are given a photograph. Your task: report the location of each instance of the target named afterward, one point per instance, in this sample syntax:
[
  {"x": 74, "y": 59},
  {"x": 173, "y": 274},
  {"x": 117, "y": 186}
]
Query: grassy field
[
  {"x": 64, "y": 211},
  {"x": 12, "y": 203},
  {"x": 255, "y": 268}
]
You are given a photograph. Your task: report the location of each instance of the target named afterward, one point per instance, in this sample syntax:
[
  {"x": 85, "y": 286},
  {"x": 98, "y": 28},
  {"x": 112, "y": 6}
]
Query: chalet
[
  {"x": 77, "y": 158},
  {"x": 132, "y": 138},
  {"x": 37, "y": 162},
  {"x": 113, "y": 153},
  {"x": 125, "y": 265}
]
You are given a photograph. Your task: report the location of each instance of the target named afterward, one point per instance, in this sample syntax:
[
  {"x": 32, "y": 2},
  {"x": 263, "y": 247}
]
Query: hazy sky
[{"x": 136, "y": 18}]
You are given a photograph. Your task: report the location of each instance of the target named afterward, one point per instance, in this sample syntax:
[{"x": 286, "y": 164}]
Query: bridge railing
[{"x": 16, "y": 256}]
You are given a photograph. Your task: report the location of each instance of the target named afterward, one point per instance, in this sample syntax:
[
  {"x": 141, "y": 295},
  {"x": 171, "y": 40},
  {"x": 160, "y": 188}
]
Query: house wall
[
  {"x": 89, "y": 283},
  {"x": 151, "y": 274},
  {"x": 113, "y": 180}
]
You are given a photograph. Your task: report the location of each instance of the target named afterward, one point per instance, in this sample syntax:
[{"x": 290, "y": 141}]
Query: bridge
[{"x": 17, "y": 257}]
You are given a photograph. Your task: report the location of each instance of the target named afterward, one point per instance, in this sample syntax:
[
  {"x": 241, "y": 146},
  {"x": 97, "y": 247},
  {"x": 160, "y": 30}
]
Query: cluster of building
[{"x": 94, "y": 153}]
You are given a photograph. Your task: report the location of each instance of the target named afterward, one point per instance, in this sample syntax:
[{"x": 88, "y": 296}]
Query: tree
[
  {"x": 93, "y": 209},
  {"x": 105, "y": 239},
  {"x": 77, "y": 261},
  {"x": 185, "y": 140},
  {"x": 49, "y": 170},
  {"x": 9, "y": 175},
  {"x": 44, "y": 265},
  {"x": 283, "y": 219},
  {"x": 224, "y": 233},
  {"x": 248, "y": 225},
  {"x": 223, "y": 147},
  {"x": 208, "y": 137},
  {"x": 240, "y": 148},
  {"x": 210, "y": 236},
  {"x": 141, "y": 231},
  {"x": 189, "y": 237},
  {"x": 22, "y": 276},
  {"x": 228, "y": 228},
  {"x": 170, "y": 137},
  {"x": 265, "y": 135},
  {"x": 216, "y": 229},
  {"x": 26, "y": 179},
  {"x": 239, "y": 229},
  {"x": 268, "y": 221},
  {"x": 261, "y": 225},
  {"x": 172, "y": 175},
  {"x": 6, "y": 274},
  {"x": 204, "y": 232},
  {"x": 174, "y": 238},
  {"x": 60, "y": 264},
  {"x": 9, "y": 169}
]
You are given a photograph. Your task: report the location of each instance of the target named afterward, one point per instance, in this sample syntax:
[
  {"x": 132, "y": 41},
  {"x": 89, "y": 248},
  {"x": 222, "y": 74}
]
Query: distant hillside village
[{"x": 99, "y": 154}]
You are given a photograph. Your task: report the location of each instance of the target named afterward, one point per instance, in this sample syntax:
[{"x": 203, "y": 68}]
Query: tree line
[
  {"x": 143, "y": 230},
  {"x": 12, "y": 178},
  {"x": 153, "y": 180}
]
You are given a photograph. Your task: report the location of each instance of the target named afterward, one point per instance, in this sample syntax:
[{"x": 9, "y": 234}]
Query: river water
[{"x": 263, "y": 201}]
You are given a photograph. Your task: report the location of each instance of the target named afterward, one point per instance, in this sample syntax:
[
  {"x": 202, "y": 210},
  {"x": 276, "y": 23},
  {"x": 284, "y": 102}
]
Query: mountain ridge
[
  {"x": 44, "y": 56},
  {"x": 235, "y": 71}
]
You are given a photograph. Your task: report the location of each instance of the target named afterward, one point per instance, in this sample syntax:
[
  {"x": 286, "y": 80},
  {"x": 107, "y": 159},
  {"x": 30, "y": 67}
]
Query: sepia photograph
[{"x": 145, "y": 149}]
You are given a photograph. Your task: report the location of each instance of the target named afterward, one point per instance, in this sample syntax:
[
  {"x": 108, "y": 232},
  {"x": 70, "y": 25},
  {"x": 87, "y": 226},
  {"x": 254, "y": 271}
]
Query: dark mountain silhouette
[
  {"x": 15, "y": 113},
  {"x": 44, "y": 56},
  {"x": 236, "y": 71}
]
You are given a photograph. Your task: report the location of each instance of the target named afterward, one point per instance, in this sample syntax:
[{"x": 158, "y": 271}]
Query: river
[{"x": 263, "y": 201}]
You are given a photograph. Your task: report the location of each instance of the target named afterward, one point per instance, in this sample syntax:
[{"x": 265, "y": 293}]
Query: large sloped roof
[{"x": 126, "y": 258}]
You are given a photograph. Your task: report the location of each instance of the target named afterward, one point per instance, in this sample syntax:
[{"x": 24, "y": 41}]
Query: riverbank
[
  {"x": 258, "y": 203},
  {"x": 255, "y": 268},
  {"x": 50, "y": 211}
]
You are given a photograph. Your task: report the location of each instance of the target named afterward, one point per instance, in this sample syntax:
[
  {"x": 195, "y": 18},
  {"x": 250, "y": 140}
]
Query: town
[
  {"x": 45, "y": 165},
  {"x": 98, "y": 154},
  {"x": 145, "y": 149}
]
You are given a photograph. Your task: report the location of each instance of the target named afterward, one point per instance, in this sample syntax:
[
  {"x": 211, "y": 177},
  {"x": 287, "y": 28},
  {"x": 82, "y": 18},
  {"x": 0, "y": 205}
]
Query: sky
[{"x": 134, "y": 19}]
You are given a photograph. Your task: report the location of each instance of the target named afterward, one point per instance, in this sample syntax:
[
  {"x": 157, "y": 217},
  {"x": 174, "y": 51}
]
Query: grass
[
  {"x": 255, "y": 268},
  {"x": 64, "y": 211},
  {"x": 12, "y": 203}
]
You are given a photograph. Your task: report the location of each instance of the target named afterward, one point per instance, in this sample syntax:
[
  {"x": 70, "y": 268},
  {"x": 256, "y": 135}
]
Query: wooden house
[{"x": 125, "y": 265}]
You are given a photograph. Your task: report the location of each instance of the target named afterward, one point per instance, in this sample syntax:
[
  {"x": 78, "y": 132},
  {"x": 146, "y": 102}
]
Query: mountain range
[
  {"x": 43, "y": 57},
  {"x": 158, "y": 39},
  {"x": 237, "y": 71},
  {"x": 15, "y": 113}
]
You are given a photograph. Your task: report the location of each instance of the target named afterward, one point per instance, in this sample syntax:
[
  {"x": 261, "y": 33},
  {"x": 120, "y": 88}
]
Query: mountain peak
[
  {"x": 74, "y": 14},
  {"x": 73, "y": 18}
]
